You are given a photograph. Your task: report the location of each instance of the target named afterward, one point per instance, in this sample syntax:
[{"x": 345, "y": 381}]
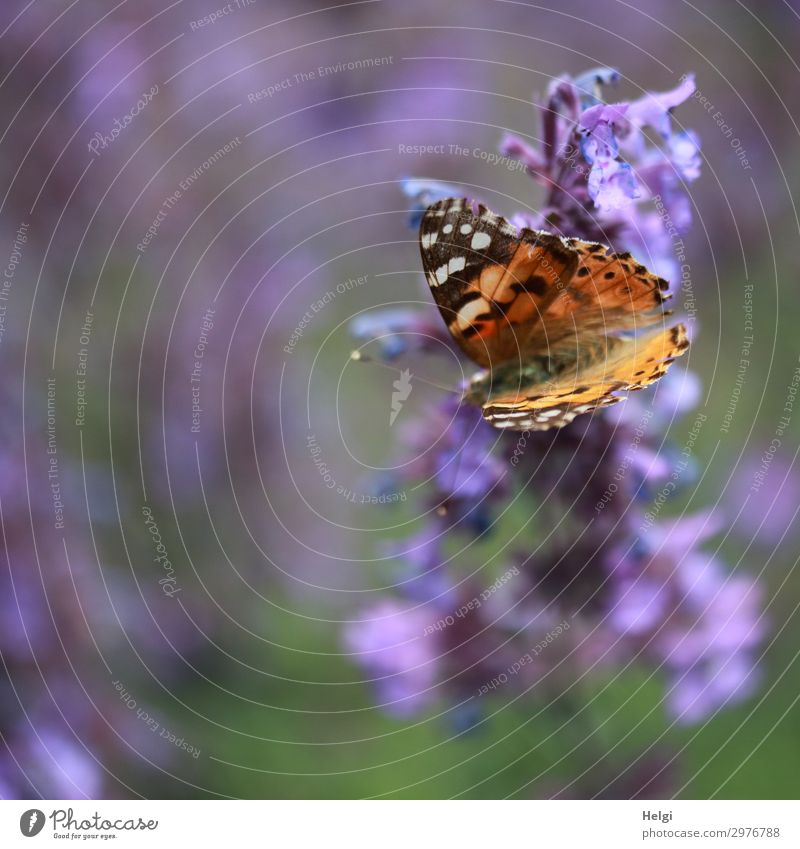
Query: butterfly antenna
[{"x": 359, "y": 357}]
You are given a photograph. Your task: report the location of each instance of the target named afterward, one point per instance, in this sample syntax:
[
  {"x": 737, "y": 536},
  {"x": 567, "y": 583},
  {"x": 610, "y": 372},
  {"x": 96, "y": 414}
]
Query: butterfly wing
[
  {"x": 505, "y": 293},
  {"x": 492, "y": 283},
  {"x": 541, "y": 312},
  {"x": 605, "y": 367},
  {"x": 609, "y": 291}
]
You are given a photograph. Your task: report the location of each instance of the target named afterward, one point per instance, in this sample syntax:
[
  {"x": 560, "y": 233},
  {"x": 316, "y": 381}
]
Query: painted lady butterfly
[{"x": 549, "y": 318}]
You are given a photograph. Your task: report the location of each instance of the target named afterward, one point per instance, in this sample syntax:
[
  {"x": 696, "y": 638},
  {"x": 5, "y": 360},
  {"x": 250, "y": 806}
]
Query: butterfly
[{"x": 553, "y": 321}]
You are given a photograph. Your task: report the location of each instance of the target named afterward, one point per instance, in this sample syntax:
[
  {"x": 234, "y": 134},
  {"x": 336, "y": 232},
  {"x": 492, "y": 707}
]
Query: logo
[
  {"x": 402, "y": 389},
  {"x": 31, "y": 822}
]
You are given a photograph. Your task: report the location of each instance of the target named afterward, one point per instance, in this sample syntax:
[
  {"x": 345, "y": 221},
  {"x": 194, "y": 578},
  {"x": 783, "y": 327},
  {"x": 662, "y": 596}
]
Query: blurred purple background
[{"x": 198, "y": 202}]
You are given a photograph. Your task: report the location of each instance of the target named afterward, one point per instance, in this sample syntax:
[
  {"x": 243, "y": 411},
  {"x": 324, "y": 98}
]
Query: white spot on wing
[
  {"x": 448, "y": 228},
  {"x": 480, "y": 241},
  {"x": 428, "y": 239},
  {"x": 441, "y": 274},
  {"x": 457, "y": 263},
  {"x": 466, "y": 228}
]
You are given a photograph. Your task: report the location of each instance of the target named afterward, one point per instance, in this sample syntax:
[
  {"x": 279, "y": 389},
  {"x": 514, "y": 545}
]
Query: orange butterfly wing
[
  {"x": 606, "y": 367},
  {"x": 491, "y": 282},
  {"x": 541, "y": 313}
]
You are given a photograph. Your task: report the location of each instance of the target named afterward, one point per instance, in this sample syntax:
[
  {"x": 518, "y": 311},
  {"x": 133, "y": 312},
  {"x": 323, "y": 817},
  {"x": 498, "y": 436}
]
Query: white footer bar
[{"x": 402, "y": 824}]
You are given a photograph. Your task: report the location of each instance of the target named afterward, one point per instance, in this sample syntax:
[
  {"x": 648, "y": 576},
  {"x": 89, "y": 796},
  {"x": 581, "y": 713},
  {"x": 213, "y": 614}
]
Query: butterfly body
[
  {"x": 550, "y": 319},
  {"x": 508, "y": 377}
]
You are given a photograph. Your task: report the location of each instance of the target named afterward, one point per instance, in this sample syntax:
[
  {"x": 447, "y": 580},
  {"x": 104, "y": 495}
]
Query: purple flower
[
  {"x": 534, "y": 162},
  {"x": 397, "y": 331},
  {"x": 599, "y": 166},
  {"x": 391, "y": 644},
  {"x": 451, "y": 455},
  {"x": 763, "y": 496},
  {"x": 71, "y": 771},
  {"x": 654, "y": 109},
  {"x": 422, "y": 575},
  {"x": 611, "y": 182},
  {"x": 626, "y": 583},
  {"x": 422, "y": 194},
  {"x": 684, "y": 153},
  {"x": 695, "y": 619}
]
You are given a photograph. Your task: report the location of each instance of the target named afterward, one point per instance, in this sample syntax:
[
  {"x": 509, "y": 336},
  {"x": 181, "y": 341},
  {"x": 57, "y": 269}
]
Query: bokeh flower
[
  {"x": 630, "y": 586},
  {"x": 391, "y": 644}
]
